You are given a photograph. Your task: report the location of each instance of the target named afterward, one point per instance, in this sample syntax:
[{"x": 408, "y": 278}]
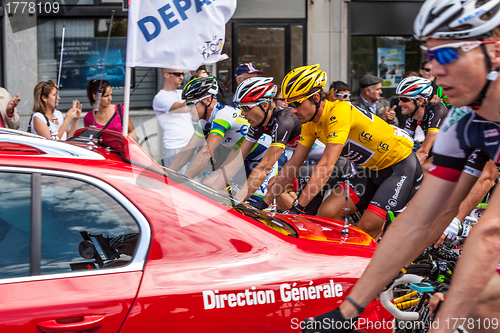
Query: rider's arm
[
  {"x": 414, "y": 229},
  {"x": 423, "y": 152},
  {"x": 230, "y": 167},
  {"x": 475, "y": 268},
  {"x": 260, "y": 172},
  {"x": 186, "y": 153},
  {"x": 203, "y": 155},
  {"x": 321, "y": 173},
  {"x": 288, "y": 173}
]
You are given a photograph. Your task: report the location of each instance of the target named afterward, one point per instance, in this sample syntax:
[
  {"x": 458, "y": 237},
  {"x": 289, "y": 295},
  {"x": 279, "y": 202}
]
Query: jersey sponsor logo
[
  {"x": 383, "y": 147},
  {"x": 364, "y": 137},
  {"x": 294, "y": 142},
  {"x": 284, "y": 136},
  {"x": 491, "y": 133},
  {"x": 228, "y": 140},
  {"x": 454, "y": 116},
  {"x": 235, "y": 115},
  {"x": 332, "y": 136},
  {"x": 333, "y": 120},
  {"x": 355, "y": 152},
  {"x": 375, "y": 203},
  {"x": 243, "y": 130},
  {"x": 393, "y": 201}
]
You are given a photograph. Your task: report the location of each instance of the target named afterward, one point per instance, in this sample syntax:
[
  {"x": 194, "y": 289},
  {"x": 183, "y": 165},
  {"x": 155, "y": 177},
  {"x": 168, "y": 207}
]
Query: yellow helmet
[{"x": 302, "y": 80}]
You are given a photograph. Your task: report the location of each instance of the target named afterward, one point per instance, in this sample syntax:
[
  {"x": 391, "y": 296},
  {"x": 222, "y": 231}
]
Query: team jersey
[
  {"x": 368, "y": 140},
  {"x": 434, "y": 116},
  {"x": 462, "y": 132},
  {"x": 283, "y": 128},
  {"x": 226, "y": 122}
]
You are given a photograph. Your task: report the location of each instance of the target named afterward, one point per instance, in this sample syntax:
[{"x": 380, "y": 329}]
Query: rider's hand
[
  {"x": 329, "y": 323},
  {"x": 259, "y": 204},
  {"x": 451, "y": 231}
]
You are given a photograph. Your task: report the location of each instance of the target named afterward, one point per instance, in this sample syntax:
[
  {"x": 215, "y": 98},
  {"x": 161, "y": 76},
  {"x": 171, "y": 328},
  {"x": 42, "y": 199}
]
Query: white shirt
[
  {"x": 177, "y": 127},
  {"x": 54, "y": 129}
]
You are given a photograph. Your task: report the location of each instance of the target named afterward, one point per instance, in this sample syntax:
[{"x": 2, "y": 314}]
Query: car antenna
[
  {"x": 60, "y": 65},
  {"x": 99, "y": 94},
  {"x": 345, "y": 230}
]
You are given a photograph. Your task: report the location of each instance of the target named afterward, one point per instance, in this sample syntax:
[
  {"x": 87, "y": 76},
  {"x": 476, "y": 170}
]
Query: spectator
[
  {"x": 200, "y": 72},
  {"x": 243, "y": 72},
  {"x": 371, "y": 99},
  {"x": 9, "y": 117},
  {"x": 173, "y": 116},
  {"x": 48, "y": 122},
  {"x": 106, "y": 112},
  {"x": 425, "y": 70},
  {"x": 339, "y": 91}
]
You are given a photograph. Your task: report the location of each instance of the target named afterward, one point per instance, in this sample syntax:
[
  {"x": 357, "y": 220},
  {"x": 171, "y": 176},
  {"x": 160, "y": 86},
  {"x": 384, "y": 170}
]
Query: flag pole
[{"x": 126, "y": 99}]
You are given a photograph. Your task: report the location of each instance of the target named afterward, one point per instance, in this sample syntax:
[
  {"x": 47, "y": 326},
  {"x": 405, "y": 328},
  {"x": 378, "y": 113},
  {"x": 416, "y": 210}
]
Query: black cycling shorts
[{"x": 389, "y": 189}]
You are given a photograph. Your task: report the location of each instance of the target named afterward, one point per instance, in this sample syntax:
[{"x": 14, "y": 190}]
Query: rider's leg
[
  {"x": 333, "y": 206},
  {"x": 487, "y": 308},
  {"x": 372, "y": 224},
  {"x": 427, "y": 164}
]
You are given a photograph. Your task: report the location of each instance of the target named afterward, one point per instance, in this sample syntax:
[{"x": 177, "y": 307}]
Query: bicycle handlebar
[{"x": 387, "y": 296}]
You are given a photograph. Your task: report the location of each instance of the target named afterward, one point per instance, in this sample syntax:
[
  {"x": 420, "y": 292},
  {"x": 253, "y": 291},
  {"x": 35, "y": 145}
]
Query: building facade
[{"x": 348, "y": 39}]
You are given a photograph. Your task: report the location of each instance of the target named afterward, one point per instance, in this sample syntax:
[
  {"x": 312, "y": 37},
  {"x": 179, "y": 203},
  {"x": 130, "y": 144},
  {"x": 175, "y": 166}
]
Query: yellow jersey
[{"x": 368, "y": 140}]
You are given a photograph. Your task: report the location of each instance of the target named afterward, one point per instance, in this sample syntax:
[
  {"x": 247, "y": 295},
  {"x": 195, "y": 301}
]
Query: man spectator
[
  {"x": 371, "y": 99},
  {"x": 243, "y": 72},
  {"x": 173, "y": 116},
  {"x": 9, "y": 117},
  {"x": 382, "y": 68}
]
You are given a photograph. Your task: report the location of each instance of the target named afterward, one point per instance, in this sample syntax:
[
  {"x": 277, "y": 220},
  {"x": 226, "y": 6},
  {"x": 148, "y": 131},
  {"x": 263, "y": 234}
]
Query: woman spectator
[
  {"x": 46, "y": 120},
  {"x": 107, "y": 112}
]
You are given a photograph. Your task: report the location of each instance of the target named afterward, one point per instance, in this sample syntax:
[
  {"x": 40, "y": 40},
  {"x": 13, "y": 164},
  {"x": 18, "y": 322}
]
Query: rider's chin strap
[
  {"x": 417, "y": 106},
  {"x": 318, "y": 104},
  {"x": 492, "y": 76},
  {"x": 206, "y": 107},
  {"x": 265, "y": 113}
]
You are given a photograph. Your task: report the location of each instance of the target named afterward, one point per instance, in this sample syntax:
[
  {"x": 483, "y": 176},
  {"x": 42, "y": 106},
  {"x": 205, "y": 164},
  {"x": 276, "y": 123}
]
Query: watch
[{"x": 297, "y": 205}]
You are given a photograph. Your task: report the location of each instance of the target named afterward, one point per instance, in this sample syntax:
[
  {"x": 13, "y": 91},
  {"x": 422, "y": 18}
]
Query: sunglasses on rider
[
  {"x": 193, "y": 103},
  {"x": 178, "y": 74},
  {"x": 247, "y": 108},
  {"x": 406, "y": 99},
  {"x": 295, "y": 104},
  {"x": 446, "y": 53},
  {"x": 344, "y": 96}
]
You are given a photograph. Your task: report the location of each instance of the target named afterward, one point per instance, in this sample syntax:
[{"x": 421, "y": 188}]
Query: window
[
  {"x": 82, "y": 227},
  {"x": 389, "y": 57},
  {"x": 85, "y": 59}
]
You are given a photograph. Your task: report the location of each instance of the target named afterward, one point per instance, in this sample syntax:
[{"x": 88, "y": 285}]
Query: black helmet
[{"x": 200, "y": 87}]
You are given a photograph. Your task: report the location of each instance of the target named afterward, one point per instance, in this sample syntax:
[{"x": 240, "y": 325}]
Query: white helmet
[
  {"x": 457, "y": 19},
  {"x": 414, "y": 86},
  {"x": 255, "y": 89}
]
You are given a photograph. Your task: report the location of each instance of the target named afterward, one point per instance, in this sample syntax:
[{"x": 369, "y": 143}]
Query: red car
[{"x": 95, "y": 236}]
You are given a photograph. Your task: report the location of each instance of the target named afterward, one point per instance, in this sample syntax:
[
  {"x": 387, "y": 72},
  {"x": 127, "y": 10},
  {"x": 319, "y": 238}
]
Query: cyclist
[
  {"x": 219, "y": 124},
  {"x": 356, "y": 134},
  {"x": 462, "y": 40},
  {"x": 414, "y": 98}
]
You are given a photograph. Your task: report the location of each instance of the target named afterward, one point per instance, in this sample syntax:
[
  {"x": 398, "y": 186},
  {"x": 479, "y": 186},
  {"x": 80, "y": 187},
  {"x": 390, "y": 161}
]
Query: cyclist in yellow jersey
[{"x": 359, "y": 135}]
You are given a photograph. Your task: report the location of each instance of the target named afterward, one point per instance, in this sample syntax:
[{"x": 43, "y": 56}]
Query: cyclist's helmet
[
  {"x": 302, "y": 80},
  {"x": 255, "y": 89},
  {"x": 200, "y": 87},
  {"x": 457, "y": 19},
  {"x": 414, "y": 86}
]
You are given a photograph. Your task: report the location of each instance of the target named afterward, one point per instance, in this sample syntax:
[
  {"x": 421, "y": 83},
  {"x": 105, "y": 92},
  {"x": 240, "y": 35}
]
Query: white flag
[{"x": 180, "y": 34}]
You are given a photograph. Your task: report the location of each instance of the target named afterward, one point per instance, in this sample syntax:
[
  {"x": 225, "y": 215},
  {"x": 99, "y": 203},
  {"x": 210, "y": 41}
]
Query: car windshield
[{"x": 226, "y": 200}]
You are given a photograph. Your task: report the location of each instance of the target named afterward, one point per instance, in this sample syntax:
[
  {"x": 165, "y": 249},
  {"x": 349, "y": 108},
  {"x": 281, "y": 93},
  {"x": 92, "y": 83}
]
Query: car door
[{"x": 72, "y": 252}]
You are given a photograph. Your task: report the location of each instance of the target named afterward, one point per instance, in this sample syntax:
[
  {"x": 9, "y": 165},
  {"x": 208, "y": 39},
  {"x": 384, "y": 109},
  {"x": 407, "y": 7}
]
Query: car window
[
  {"x": 15, "y": 219},
  {"x": 83, "y": 227},
  {"x": 73, "y": 212}
]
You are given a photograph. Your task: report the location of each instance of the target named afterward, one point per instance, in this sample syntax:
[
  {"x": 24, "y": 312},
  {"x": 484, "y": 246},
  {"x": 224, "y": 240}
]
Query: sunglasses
[
  {"x": 193, "y": 103},
  {"x": 406, "y": 99},
  {"x": 295, "y": 104},
  {"x": 247, "y": 108},
  {"x": 344, "y": 96},
  {"x": 426, "y": 69},
  {"x": 446, "y": 53},
  {"x": 178, "y": 74}
]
